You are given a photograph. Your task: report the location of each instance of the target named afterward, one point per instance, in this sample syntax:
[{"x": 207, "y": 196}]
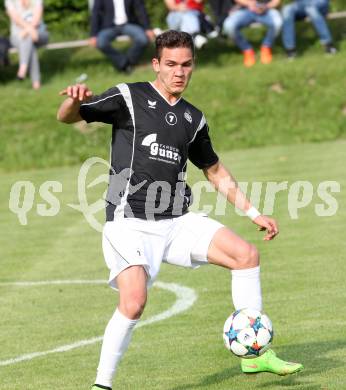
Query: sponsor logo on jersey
[
  {"x": 152, "y": 104},
  {"x": 161, "y": 152},
  {"x": 171, "y": 118},
  {"x": 187, "y": 116}
]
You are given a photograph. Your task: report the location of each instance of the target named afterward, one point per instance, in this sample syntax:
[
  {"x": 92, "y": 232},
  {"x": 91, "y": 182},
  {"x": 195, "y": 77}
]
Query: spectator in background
[
  {"x": 316, "y": 10},
  {"x": 188, "y": 16},
  {"x": 28, "y": 32},
  {"x": 260, "y": 11},
  {"x": 220, "y": 10},
  {"x": 111, "y": 18}
]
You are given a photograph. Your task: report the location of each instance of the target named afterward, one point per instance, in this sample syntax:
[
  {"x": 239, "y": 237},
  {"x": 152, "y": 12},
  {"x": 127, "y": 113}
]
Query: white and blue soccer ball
[{"x": 248, "y": 333}]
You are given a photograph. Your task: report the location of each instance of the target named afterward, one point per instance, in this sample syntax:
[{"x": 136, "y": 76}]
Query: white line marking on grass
[
  {"x": 186, "y": 297},
  {"x": 52, "y": 282}
]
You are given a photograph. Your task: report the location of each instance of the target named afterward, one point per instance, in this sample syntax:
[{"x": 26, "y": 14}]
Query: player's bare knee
[
  {"x": 133, "y": 305},
  {"x": 249, "y": 258},
  {"x": 253, "y": 257}
]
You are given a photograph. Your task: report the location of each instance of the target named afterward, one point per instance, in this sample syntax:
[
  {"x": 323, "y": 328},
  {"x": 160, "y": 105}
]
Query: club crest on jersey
[
  {"x": 171, "y": 118},
  {"x": 187, "y": 116},
  {"x": 152, "y": 104},
  {"x": 160, "y": 152}
]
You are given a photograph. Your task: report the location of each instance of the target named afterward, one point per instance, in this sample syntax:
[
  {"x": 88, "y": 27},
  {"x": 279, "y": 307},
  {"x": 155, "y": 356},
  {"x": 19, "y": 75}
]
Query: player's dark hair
[{"x": 172, "y": 39}]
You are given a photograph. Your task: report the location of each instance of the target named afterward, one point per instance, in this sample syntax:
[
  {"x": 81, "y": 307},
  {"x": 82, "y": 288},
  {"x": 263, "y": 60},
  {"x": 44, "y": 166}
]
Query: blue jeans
[
  {"x": 242, "y": 18},
  {"x": 121, "y": 60},
  {"x": 315, "y": 10},
  {"x": 187, "y": 21}
]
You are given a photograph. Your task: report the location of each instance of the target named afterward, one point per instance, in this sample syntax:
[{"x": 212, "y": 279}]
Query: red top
[{"x": 192, "y": 4}]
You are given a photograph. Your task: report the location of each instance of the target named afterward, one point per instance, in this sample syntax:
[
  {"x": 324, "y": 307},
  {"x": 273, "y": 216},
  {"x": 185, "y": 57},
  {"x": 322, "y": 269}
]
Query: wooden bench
[{"x": 69, "y": 44}]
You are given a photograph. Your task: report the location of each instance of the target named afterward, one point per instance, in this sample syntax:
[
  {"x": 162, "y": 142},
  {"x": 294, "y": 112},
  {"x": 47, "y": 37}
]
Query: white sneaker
[
  {"x": 213, "y": 34},
  {"x": 200, "y": 41},
  {"x": 157, "y": 31}
]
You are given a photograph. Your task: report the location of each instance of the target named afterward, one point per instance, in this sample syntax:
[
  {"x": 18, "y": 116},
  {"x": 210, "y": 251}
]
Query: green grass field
[
  {"x": 302, "y": 279},
  {"x": 283, "y": 122}
]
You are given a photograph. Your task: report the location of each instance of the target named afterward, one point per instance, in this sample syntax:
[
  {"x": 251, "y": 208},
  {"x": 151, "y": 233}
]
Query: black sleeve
[
  {"x": 141, "y": 14},
  {"x": 201, "y": 152},
  {"x": 103, "y": 108},
  {"x": 95, "y": 18},
  {"x": 221, "y": 9}
]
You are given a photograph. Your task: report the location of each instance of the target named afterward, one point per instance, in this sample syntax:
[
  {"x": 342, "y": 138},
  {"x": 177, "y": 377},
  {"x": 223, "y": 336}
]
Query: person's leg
[
  {"x": 132, "y": 285},
  {"x": 197, "y": 240},
  {"x": 104, "y": 43},
  {"x": 315, "y": 11},
  {"x": 228, "y": 250},
  {"x": 289, "y": 15},
  {"x": 34, "y": 65},
  {"x": 139, "y": 41},
  {"x": 133, "y": 251},
  {"x": 234, "y": 23},
  {"x": 190, "y": 22},
  {"x": 232, "y": 26},
  {"x": 273, "y": 21},
  {"x": 173, "y": 20},
  {"x": 34, "y": 69},
  {"x": 24, "y": 46}
]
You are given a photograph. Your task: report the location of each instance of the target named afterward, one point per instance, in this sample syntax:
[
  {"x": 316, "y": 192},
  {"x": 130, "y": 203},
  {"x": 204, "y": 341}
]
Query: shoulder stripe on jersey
[
  {"x": 200, "y": 126},
  {"x": 125, "y": 91},
  {"x": 101, "y": 100}
]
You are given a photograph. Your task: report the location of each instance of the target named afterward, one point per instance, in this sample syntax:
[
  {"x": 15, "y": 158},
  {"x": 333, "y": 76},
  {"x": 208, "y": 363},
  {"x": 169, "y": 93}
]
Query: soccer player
[{"x": 155, "y": 133}]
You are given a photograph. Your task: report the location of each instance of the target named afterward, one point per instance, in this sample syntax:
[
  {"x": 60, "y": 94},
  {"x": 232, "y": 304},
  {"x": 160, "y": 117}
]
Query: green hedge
[{"x": 69, "y": 19}]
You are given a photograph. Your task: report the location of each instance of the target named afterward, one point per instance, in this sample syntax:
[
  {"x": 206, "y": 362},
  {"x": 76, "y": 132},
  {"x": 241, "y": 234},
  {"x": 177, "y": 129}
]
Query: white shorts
[{"x": 181, "y": 241}]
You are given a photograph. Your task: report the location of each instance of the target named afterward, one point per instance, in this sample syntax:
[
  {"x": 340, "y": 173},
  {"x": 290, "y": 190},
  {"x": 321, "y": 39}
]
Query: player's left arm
[{"x": 225, "y": 183}]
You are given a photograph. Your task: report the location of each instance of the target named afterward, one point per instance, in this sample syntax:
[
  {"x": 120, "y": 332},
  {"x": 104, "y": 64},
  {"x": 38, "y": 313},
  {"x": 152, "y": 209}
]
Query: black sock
[
  {"x": 102, "y": 387},
  {"x": 330, "y": 48},
  {"x": 290, "y": 51}
]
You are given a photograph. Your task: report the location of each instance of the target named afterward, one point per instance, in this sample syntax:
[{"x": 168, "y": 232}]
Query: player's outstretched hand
[
  {"x": 79, "y": 92},
  {"x": 268, "y": 224}
]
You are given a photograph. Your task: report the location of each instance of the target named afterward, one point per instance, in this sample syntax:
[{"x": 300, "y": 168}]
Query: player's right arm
[
  {"x": 225, "y": 183},
  {"x": 77, "y": 94}
]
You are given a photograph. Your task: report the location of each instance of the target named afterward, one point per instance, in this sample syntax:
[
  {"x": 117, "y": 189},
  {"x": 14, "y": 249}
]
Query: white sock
[
  {"x": 115, "y": 342},
  {"x": 246, "y": 288}
]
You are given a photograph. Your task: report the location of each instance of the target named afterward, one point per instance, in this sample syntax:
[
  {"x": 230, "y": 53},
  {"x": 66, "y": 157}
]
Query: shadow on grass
[
  {"x": 312, "y": 355},
  {"x": 51, "y": 62},
  {"x": 55, "y": 61},
  {"x": 8, "y": 73}
]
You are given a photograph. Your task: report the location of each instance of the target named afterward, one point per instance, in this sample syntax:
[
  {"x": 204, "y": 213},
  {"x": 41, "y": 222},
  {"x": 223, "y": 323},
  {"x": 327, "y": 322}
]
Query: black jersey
[{"x": 151, "y": 143}]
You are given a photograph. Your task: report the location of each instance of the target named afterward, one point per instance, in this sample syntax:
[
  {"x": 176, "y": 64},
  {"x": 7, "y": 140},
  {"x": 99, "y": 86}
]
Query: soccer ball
[{"x": 247, "y": 333}]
